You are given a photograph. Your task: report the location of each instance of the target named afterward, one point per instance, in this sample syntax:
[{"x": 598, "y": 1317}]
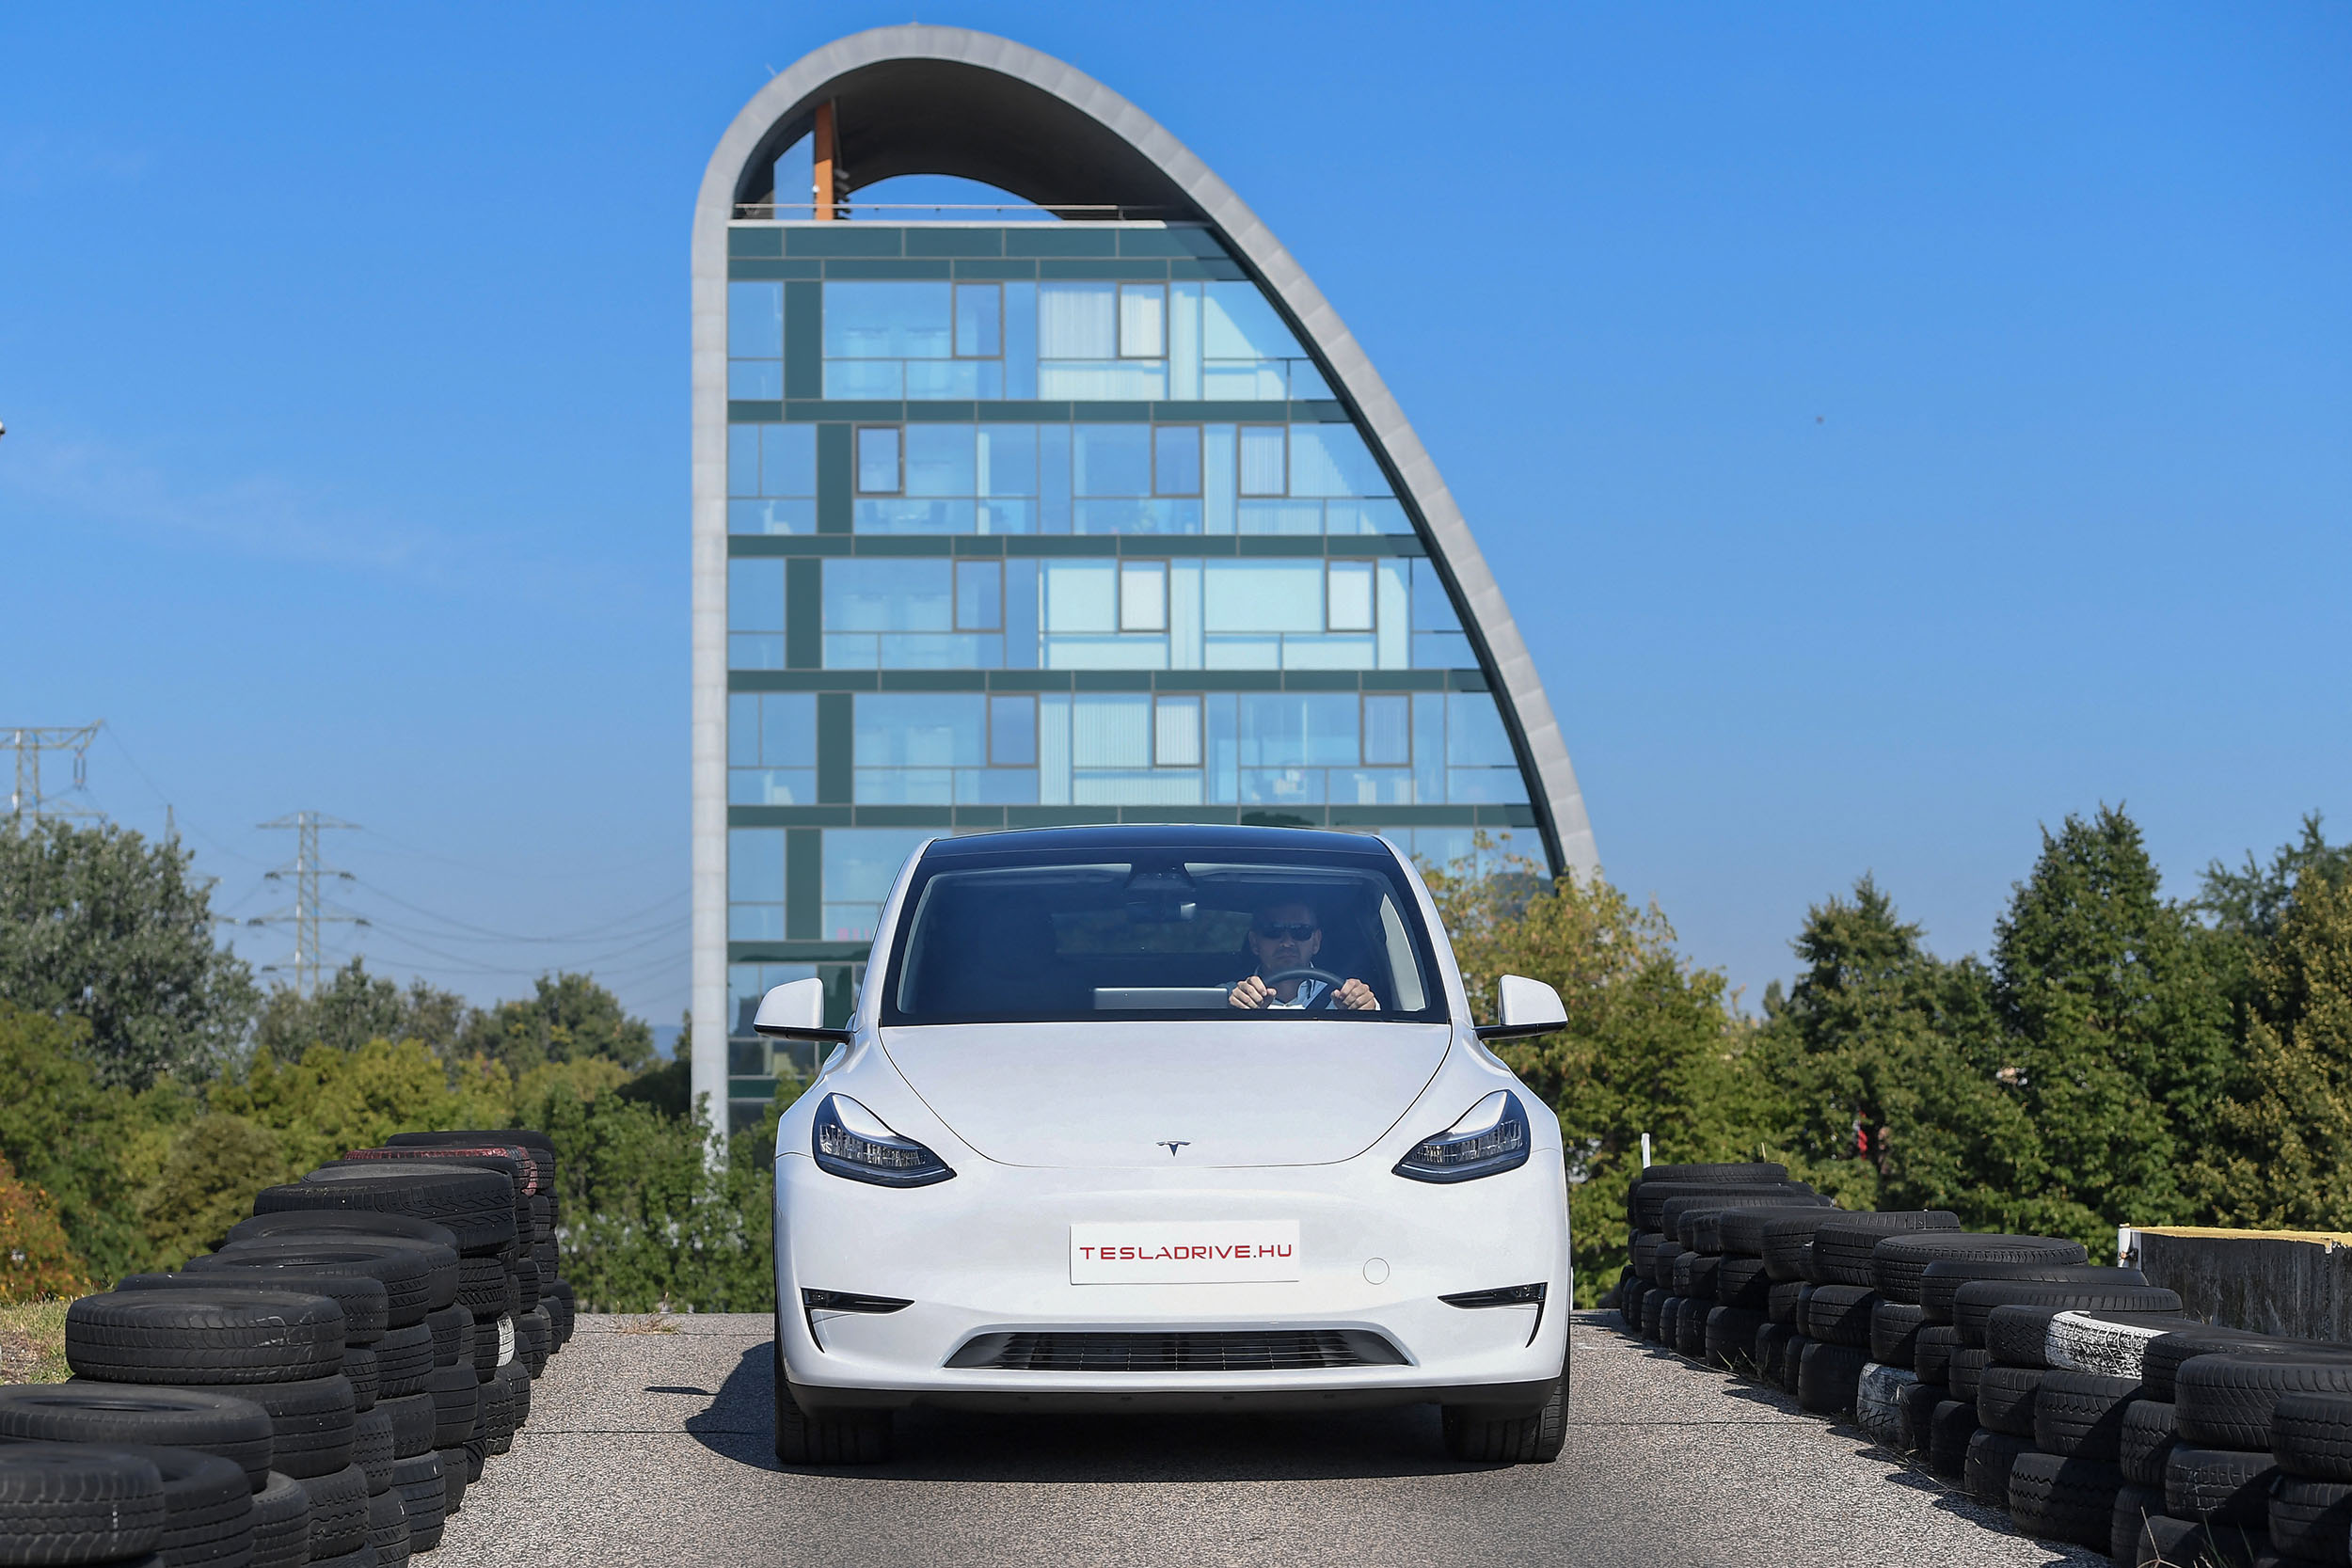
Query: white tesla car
[{"x": 1142, "y": 1118}]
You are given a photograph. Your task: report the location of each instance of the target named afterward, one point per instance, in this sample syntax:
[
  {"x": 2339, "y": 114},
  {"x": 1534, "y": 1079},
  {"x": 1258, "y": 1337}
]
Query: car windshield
[{"x": 1315, "y": 935}]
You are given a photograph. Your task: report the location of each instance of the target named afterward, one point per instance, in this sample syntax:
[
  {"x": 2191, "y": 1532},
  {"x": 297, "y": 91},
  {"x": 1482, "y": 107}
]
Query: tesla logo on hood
[{"x": 1173, "y": 1147}]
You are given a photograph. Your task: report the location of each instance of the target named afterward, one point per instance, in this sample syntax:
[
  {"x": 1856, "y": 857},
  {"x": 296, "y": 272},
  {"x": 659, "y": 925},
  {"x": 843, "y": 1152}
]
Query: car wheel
[
  {"x": 1535, "y": 1439},
  {"x": 862, "y": 1437}
]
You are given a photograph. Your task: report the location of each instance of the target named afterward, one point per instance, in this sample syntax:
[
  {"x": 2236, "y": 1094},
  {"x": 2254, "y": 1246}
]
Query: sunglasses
[{"x": 1283, "y": 933}]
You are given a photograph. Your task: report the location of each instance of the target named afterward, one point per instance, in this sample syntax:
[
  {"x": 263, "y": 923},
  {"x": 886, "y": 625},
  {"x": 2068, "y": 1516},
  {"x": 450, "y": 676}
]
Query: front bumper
[{"x": 987, "y": 1253}]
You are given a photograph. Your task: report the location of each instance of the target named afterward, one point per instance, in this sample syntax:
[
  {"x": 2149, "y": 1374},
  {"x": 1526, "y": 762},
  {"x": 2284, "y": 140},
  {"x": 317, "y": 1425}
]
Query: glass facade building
[{"x": 1043, "y": 519}]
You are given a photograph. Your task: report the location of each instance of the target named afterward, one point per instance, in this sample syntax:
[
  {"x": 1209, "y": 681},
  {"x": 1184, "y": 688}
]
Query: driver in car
[{"x": 1287, "y": 937}]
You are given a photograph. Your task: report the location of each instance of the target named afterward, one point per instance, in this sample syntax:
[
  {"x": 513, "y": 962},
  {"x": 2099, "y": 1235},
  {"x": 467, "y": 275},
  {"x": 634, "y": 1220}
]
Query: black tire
[
  {"x": 1661, "y": 1263},
  {"x": 1701, "y": 1224},
  {"x": 2005, "y": 1400},
  {"x": 415, "y": 1418},
  {"x": 424, "y": 1496},
  {"x": 1942, "y": 1276},
  {"x": 1741, "y": 1230},
  {"x": 388, "y": 1529},
  {"x": 534, "y": 1340},
  {"x": 518, "y": 1386},
  {"x": 438, "y": 1249},
  {"x": 404, "y": 1361},
  {"x": 2310, "y": 1521},
  {"x": 310, "y": 1422},
  {"x": 2165, "y": 1542},
  {"x": 1950, "y": 1425},
  {"x": 1964, "y": 1368},
  {"x": 496, "y": 1430},
  {"x": 1792, "y": 1363},
  {"x": 483, "y": 1286},
  {"x": 372, "y": 1448},
  {"x": 1840, "y": 1315},
  {"x": 1895, "y": 1333},
  {"x": 538, "y": 1145},
  {"x": 1750, "y": 1171},
  {"x": 1694, "y": 1274},
  {"x": 2080, "y": 1414},
  {"x": 1648, "y": 1210},
  {"x": 62, "y": 1502},
  {"x": 2112, "y": 1345},
  {"x": 1842, "y": 1248},
  {"x": 2134, "y": 1506},
  {"x": 1782, "y": 1303},
  {"x": 281, "y": 1524},
  {"x": 359, "y": 1367},
  {"x": 1974, "y": 1302},
  {"x": 2064, "y": 1500},
  {"x": 454, "y": 1480},
  {"x": 1984, "y": 1470},
  {"x": 2220, "y": 1486},
  {"x": 1691, "y": 1327},
  {"x": 224, "y": 1338},
  {"x": 225, "y": 1425},
  {"x": 1878, "y": 1403},
  {"x": 207, "y": 1506},
  {"x": 339, "y": 1224},
  {"x": 339, "y": 1513},
  {"x": 491, "y": 1342},
  {"x": 1784, "y": 1241},
  {"x": 2018, "y": 1335},
  {"x": 476, "y": 1455},
  {"x": 1932, "y": 1359},
  {"x": 1627, "y": 1298},
  {"x": 2162, "y": 1360},
  {"x": 1897, "y": 1263},
  {"x": 402, "y": 1269},
  {"x": 1653, "y": 1309},
  {"x": 2227, "y": 1401},
  {"x": 1919, "y": 1403},
  {"x": 2310, "y": 1435},
  {"x": 1741, "y": 1282},
  {"x": 1645, "y": 1255},
  {"x": 476, "y": 1206},
  {"x": 363, "y": 1301},
  {"x": 448, "y": 1325},
  {"x": 862, "y": 1437},
  {"x": 1770, "y": 1345},
  {"x": 1828, "y": 1376},
  {"x": 456, "y": 1396},
  {"x": 2144, "y": 1441},
  {"x": 526, "y": 1286},
  {"x": 1669, "y": 1320},
  {"x": 1731, "y": 1336}
]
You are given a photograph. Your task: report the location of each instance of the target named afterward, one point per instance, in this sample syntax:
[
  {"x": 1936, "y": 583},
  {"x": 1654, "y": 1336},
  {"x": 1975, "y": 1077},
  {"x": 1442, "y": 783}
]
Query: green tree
[
  {"x": 214, "y": 1166},
  {"x": 1881, "y": 1063},
  {"x": 2118, "y": 1041},
  {"x": 2283, "y": 1160},
  {"x": 65, "y": 1132},
  {"x": 571, "y": 1017},
  {"x": 334, "y": 1101},
  {"x": 1652, "y": 1044},
  {"x": 355, "y": 1007},
  {"x": 99, "y": 925}
]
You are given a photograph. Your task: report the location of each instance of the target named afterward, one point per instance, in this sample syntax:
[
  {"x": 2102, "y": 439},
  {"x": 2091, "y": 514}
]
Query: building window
[
  {"x": 1143, "y": 320},
  {"x": 755, "y": 614},
  {"x": 1264, "y": 460},
  {"x": 772, "y": 479},
  {"x": 754, "y": 885},
  {"x": 1143, "y": 595},
  {"x": 979, "y": 321},
  {"x": 880, "y": 468},
  {"x": 1176, "y": 460},
  {"x": 771, "y": 749},
  {"x": 860, "y": 864}
]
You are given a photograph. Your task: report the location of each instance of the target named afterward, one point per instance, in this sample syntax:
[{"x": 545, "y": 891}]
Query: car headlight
[
  {"x": 849, "y": 1140},
  {"x": 1490, "y": 1138}
]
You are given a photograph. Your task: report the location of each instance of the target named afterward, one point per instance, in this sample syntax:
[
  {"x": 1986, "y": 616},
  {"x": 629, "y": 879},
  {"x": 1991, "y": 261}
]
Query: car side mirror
[
  {"x": 796, "y": 1011},
  {"x": 1524, "y": 1007}
]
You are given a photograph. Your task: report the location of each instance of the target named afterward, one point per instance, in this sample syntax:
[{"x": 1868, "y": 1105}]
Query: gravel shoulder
[{"x": 653, "y": 1447}]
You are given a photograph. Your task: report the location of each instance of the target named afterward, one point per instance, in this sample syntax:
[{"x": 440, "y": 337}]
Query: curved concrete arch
[{"x": 985, "y": 107}]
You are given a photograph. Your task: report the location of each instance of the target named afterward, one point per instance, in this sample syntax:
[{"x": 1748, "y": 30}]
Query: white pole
[{"x": 1645, "y": 1151}]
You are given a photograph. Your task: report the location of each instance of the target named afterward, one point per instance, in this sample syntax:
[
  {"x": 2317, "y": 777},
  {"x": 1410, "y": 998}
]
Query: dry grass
[
  {"x": 652, "y": 1322},
  {"x": 32, "y": 1342}
]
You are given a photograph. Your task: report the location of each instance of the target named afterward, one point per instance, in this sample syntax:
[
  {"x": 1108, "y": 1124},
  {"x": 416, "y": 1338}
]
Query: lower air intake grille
[{"x": 1262, "y": 1350}]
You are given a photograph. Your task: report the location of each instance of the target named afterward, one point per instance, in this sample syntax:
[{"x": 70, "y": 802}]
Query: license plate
[{"x": 1185, "y": 1252}]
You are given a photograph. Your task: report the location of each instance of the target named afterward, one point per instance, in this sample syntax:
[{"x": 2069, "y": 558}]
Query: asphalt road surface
[{"x": 651, "y": 1449}]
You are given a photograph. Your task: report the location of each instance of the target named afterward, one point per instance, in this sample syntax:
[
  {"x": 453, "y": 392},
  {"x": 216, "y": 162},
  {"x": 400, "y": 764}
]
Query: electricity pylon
[
  {"x": 308, "y": 911},
  {"x": 26, "y": 798}
]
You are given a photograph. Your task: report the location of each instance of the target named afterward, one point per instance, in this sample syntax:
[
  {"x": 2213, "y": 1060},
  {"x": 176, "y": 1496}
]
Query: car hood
[{"x": 1298, "y": 1092}]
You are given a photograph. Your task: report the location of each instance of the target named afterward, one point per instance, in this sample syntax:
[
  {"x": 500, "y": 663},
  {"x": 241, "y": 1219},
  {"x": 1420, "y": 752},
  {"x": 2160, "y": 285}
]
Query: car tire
[
  {"x": 860, "y": 1437},
  {"x": 1537, "y": 1440}
]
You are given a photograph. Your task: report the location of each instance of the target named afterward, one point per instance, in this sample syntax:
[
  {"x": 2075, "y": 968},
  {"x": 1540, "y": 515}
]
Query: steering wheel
[{"x": 1330, "y": 981}]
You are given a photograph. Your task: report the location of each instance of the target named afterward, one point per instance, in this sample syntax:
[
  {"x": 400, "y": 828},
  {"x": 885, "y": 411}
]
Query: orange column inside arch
[{"x": 826, "y": 157}]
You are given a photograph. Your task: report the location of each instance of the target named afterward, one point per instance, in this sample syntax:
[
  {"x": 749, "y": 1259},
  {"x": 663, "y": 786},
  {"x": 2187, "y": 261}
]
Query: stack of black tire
[
  {"x": 2080, "y": 1399},
  {"x": 321, "y": 1390}
]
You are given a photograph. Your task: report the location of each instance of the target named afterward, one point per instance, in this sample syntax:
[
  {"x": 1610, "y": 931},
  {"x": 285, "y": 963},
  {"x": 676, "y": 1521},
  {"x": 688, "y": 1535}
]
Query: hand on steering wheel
[{"x": 1267, "y": 983}]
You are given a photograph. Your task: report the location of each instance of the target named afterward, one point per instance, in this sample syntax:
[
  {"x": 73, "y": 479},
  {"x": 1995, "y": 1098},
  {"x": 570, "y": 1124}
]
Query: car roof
[{"x": 1185, "y": 836}]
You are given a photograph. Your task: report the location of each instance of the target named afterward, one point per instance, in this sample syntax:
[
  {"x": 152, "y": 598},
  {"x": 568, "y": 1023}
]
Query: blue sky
[{"x": 1894, "y": 427}]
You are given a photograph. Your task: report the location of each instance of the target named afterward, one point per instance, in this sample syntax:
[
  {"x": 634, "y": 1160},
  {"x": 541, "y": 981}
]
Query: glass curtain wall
[{"x": 1039, "y": 524}]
